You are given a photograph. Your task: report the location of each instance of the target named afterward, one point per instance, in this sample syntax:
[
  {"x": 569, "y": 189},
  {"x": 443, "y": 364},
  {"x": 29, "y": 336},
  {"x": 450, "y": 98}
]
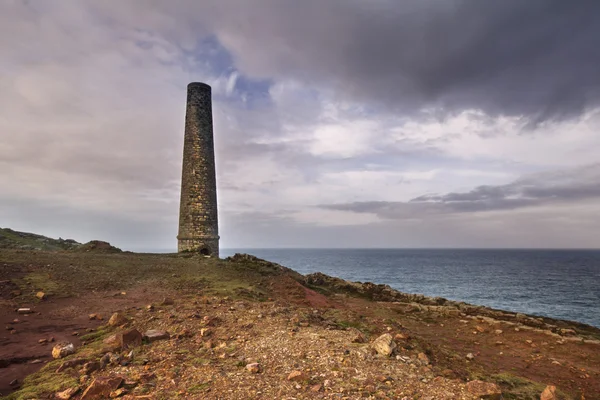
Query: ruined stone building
[{"x": 198, "y": 220}]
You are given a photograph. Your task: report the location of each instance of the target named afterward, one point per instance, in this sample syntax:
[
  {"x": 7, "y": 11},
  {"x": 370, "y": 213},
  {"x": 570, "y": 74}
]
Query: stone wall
[{"x": 198, "y": 219}]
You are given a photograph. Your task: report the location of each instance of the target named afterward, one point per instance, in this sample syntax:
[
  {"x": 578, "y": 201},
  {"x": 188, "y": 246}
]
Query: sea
[{"x": 563, "y": 284}]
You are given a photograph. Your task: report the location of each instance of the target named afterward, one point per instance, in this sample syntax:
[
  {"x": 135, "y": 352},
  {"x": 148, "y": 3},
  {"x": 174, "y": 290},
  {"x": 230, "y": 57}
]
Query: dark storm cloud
[
  {"x": 535, "y": 58},
  {"x": 577, "y": 185}
]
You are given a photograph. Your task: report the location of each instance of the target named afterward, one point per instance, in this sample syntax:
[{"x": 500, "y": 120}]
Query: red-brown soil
[{"x": 256, "y": 302}]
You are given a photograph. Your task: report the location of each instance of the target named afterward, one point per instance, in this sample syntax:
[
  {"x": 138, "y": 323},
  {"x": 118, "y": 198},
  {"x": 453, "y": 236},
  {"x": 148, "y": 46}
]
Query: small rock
[
  {"x": 129, "y": 338},
  {"x": 153, "y": 335},
  {"x": 253, "y": 368},
  {"x": 549, "y": 393},
  {"x": 470, "y": 356},
  {"x": 400, "y": 337},
  {"x": 296, "y": 376},
  {"x": 71, "y": 364},
  {"x": 167, "y": 301},
  {"x": 205, "y": 332},
  {"x": 359, "y": 338},
  {"x": 36, "y": 361},
  {"x": 118, "y": 393},
  {"x": 498, "y": 331},
  {"x": 316, "y": 388},
  {"x": 149, "y": 307},
  {"x": 384, "y": 344},
  {"x": 63, "y": 349},
  {"x": 67, "y": 394},
  {"x": 484, "y": 390},
  {"x": 480, "y": 329},
  {"x": 14, "y": 382},
  {"x": 567, "y": 332},
  {"x": 24, "y": 310},
  {"x": 423, "y": 358},
  {"x": 97, "y": 317},
  {"x": 40, "y": 295},
  {"x": 43, "y": 341},
  {"x": 117, "y": 319},
  {"x": 101, "y": 388}
]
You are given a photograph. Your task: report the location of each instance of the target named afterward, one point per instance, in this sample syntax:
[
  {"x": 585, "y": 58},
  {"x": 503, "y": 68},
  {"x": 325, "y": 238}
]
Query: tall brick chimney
[{"x": 198, "y": 219}]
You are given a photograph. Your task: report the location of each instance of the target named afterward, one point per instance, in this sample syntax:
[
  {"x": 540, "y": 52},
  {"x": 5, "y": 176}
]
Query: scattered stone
[
  {"x": 97, "y": 317},
  {"x": 129, "y": 338},
  {"x": 154, "y": 335},
  {"x": 40, "y": 295},
  {"x": 384, "y": 345},
  {"x": 423, "y": 358},
  {"x": 67, "y": 394},
  {"x": 117, "y": 319},
  {"x": 484, "y": 390},
  {"x": 316, "y": 388},
  {"x": 296, "y": 376},
  {"x": 253, "y": 368},
  {"x": 400, "y": 337},
  {"x": 118, "y": 393},
  {"x": 101, "y": 388},
  {"x": 167, "y": 301},
  {"x": 205, "y": 332},
  {"x": 71, "y": 364},
  {"x": 480, "y": 329},
  {"x": 498, "y": 331},
  {"x": 359, "y": 338},
  {"x": 549, "y": 393},
  {"x": 90, "y": 367},
  {"x": 63, "y": 349},
  {"x": 470, "y": 356},
  {"x": 568, "y": 332}
]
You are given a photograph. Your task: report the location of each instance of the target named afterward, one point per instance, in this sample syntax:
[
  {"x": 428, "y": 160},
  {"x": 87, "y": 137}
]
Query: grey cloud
[
  {"x": 533, "y": 58},
  {"x": 578, "y": 184}
]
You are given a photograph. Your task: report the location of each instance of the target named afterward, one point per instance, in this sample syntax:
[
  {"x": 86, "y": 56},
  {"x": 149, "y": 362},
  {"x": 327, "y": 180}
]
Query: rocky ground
[{"x": 185, "y": 326}]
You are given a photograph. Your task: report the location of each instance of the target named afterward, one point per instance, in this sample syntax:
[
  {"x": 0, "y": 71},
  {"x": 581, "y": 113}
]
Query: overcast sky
[{"x": 339, "y": 123}]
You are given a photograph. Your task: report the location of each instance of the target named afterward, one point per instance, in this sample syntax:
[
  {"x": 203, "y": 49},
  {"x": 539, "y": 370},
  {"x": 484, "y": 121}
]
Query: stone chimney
[{"x": 198, "y": 219}]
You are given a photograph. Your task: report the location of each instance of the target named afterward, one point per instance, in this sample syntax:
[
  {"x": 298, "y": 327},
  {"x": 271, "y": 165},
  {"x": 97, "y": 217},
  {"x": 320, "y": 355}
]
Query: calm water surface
[{"x": 561, "y": 284}]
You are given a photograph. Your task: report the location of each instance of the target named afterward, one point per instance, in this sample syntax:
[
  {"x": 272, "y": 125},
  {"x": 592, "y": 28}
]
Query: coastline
[{"x": 523, "y": 358}]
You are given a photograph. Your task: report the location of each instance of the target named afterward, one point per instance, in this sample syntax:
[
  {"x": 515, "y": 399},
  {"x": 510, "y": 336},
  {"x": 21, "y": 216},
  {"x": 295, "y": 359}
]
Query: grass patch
[
  {"x": 516, "y": 387},
  {"x": 41, "y": 383}
]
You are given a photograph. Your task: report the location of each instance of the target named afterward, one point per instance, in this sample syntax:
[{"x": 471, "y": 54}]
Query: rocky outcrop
[{"x": 420, "y": 303}]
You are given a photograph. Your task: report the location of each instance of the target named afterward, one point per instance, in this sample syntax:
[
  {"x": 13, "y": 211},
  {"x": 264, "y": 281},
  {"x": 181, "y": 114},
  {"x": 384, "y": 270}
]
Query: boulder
[
  {"x": 384, "y": 345},
  {"x": 101, "y": 388},
  {"x": 549, "y": 393},
  {"x": 63, "y": 349},
  {"x": 129, "y": 338},
  {"x": 153, "y": 335},
  {"x": 484, "y": 390},
  {"x": 117, "y": 319}
]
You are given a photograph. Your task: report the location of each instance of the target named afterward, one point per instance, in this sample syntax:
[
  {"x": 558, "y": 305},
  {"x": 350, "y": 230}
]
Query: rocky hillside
[{"x": 10, "y": 239}]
